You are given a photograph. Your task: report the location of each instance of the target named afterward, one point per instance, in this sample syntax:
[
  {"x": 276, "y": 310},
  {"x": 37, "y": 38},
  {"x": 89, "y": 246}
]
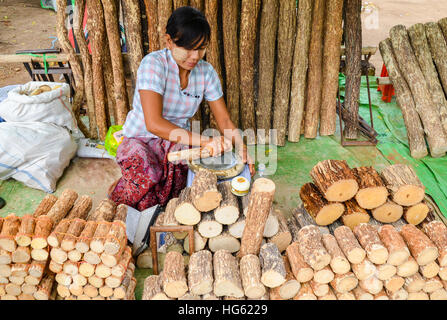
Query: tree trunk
[
  {"x": 315, "y": 71},
  {"x": 247, "y": 44},
  {"x": 322, "y": 211},
  {"x": 354, "y": 214},
  {"x": 283, "y": 238},
  {"x": 372, "y": 192},
  {"x": 261, "y": 200},
  {"x": 228, "y": 210},
  {"x": 267, "y": 40},
  {"x": 368, "y": 237},
  {"x": 404, "y": 98},
  {"x": 339, "y": 263},
  {"x": 349, "y": 244},
  {"x": 26, "y": 230},
  {"x": 299, "y": 71},
  {"x": 353, "y": 43},
  {"x": 224, "y": 241},
  {"x": 250, "y": 268},
  {"x": 333, "y": 32},
  {"x": 204, "y": 193},
  {"x": 388, "y": 212},
  {"x": 109, "y": 85},
  {"x": 41, "y": 232},
  {"x": 81, "y": 208},
  {"x": 312, "y": 249},
  {"x": 83, "y": 243},
  {"x": 416, "y": 214},
  {"x": 227, "y": 279},
  {"x": 437, "y": 232},
  {"x": 152, "y": 24},
  {"x": 421, "y": 247},
  {"x": 424, "y": 105},
  {"x": 97, "y": 31},
  {"x": 186, "y": 213},
  {"x": 286, "y": 41},
  {"x": 45, "y": 205},
  {"x": 164, "y": 12},
  {"x": 198, "y": 4},
  {"x": 62, "y": 206},
  {"x": 408, "y": 268},
  {"x": 335, "y": 180}
]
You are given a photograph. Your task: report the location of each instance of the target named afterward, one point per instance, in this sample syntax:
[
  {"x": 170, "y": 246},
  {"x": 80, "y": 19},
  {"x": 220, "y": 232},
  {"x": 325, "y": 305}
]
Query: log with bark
[
  {"x": 321, "y": 210},
  {"x": 414, "y": 283},
  {"x": 237, "y": 228},
  {"x": 437, "y": 232},
  {"x": 152, "y": 289},
  {"x": 273, "y": 268},
  {"x": 438, "y": 49},
  {"x": 204, "y": 193},
  {"x": 228, "y": 210},
  {"x": 174, "y": 278},
  {"x": 56, "y": 236},
  {"x": 97, "y": 241},
  {"x": 429, "y": 270},
  {"x": 83, "y": 242},
  {"x": 354, "y": 214},
  {"x": 385, "y": 271},
  {"x": 412, "y": 73},
  {"x": 41, "y": 231},
  {"x": 349, "y": 244},
  {"x": 301, "y": 270},
  {"x": 372, "y": 192},
  {"x": 416, "y": 213},
  {"x": 305, "y": 293},
  {"x": 74, "y": 230},
  {"x": 335, "y": 180},
  {"x": 404, "y": 99},
  {"x": 364, "y": 269},
  {"x": 104, "y": 212},
  {"x": 353, "y": 44},
  {"x": 398, "y": 251},
  {"x": 200, "y": 273},
  {"x": 44, "y": 289},
  {"x": 408, "y": 268},
  {"x": 312, "y": 248},
  {"x": 319, "y": 289},
  {"x": 283, "y": 237},
  {"x": 199, "y": 242},
  {"x": 343, "y": 283},
  {"x": 371, "y": 285},
  {"x": 324, "y": 275},
  {"x": 421, "y": 247},
  {"x": 186, "y": 213},
  {"x": 227, "y": 279},
  {"x": 433, "y": 284},
  {"x": 26, "y": 230},
  {"x": 45, "y": 205},
  {"x": 62, "y": 206},
  {"x": 250, "y": 269},
  {"x": 21, "y": 255},
  {"x": 81, "y": 208},
  {"x": 388, "y": 212},
  {"x": 368, "y": 237},
  {"x": 224, "y": 241},
  {"x": 339, "y": 264}
]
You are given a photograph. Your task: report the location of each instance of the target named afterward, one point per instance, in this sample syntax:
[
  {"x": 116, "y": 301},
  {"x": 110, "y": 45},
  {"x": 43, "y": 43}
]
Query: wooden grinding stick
[
  {"x": 312, "y": 248},
  {"x": 174, "y": 279},
  {"x": 186, "y": 213},
  {"x": 372, "y": 191},
  {"x": 204, "y": 193},
  {"x": 301, "y": 270},
  {"x": 11, "y": 225},
  {"x": 421, "y": 247},
  {"x": 227, "y": 279},
  {"x": 437, "y": 232},
  {"x": 26, "y": 231},
  {"x": 323, "y": 212},
  {"x": 404, "y": 185},
  {"x": 349, "y": 244},
  {"x": 398, "y": 251},
  {"x": 228, "y": 210},
  {"x": 368, "y": 237},
  {"x": 273, "y": 268},
  {"x": 335, "y": 180},
  {"x": 45, "y": 205},
  {"x": 250, "y": 269},
  {"x": 200, "y": 273},
  {"x": 62, "y": 206},
  {"x": 42, "y": 230}
]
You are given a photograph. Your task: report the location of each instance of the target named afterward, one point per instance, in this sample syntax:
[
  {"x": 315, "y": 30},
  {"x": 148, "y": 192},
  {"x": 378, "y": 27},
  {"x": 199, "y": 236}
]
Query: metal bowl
[{"x": 227, "y": 165}]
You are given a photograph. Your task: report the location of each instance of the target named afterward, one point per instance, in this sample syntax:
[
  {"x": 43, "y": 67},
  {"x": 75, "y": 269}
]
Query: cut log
[
  {"x": 224, "y": 241},
  {"x": 250, "y": 270},
  {"x": 56, "y": 236},
  {"x": 305, "y": 293},
  {"x": 204, "y": 193},
  {"x": 237, "y": 228},
  {"x": 273, "y": 268},
  {"x": 28, "y": 289},
  {"x": 174, "y": 279},
  {"x": 404, "y": 99},
  {"x": 11, "y": 225},
  {"x": 124, "y": 263},
  {"x": 443, "y": 273},
  {"x": 364, "y": 269},
  {"x": 144, "y": 260},
  {"x": 421, "y": 247},
  {"x": 322, "y": 211},
  {"x": 345, "y": 296},
  {"x": 433, "y": 284},
  {"x": 398, "y": 252},
  {"x": 416, "y": 214},
  {"x": 440, "y": 294},
  {"x": 271, "y": 227},
  {"x": 21, "y": 255},
  {"x": 424, "y": 56},
  {"x": 130, "y": 294},
  {"x": 26, "y": 230},
  {"x": 5, "y": 270},
  {"x": 408, "y": 268},
  {"x": 44, "y": 289},
  {"x": 74, "y": 255},
  {"x": 13, "y": 289},
  {"x": 208, "y": 227},
  {"x": 261, "y": 199},
  {"x": 437, "y": 232},
  {"x": 96, "y": 281},
  {"x": 62, "y": 206},
  {"x": 19, "y": 270},
  {"x": 420, "y": 295},
  {"x": 372, "y": 192},
  {"x": 335, "y": 180},
  {"x": 79, "y": 280},
  {"x": 312, "y": 248},
  {"x": 42, "y": 230},
  {"x": 283, "y": 237},
  {"x": 200, "y": 273},
  {"x": 5, "y": 257},
  {"x": 55, "y": 267},
  {"x": 361, "y": 294},
  {"x": 291, "y": 287},
  {"x": 105, "y": 292},
  {"x": 438, "y": 49},
  {"x": 400, "y": 294},
  {"x": 319, "y": 289},
  {"x": 324, "y": 275},
  {"x": 247, "y": 47},
  {"x": 339, "y": 264},
  {"x": 81, "y": 208},
  {"x": 414, "y": 283},
  {"x": 371, "y": 285},
  {"x": 116, "y": 238},
  {"x": 97, "y": 242},
  {"x": 186, "y": 213},
  {"x": 45, "y": 205},
  {"x": 152, "y": 289},
  {"x": 36, "y": 268},
  {"x": 381, "y": 296},
  {"x": 74, "y": 230},
  {"x": 92, "y": 257},
  {"x": 63, "y": 279},
  {"x": 394, "y": 284},
  {"x": 368, "y": 237},
  {"x": 315, "y": 72},
  {"x": 102, "y": 271},
  {"x": 104, "y": 212},
  {"x": 294, "y": 228},
  {"x": 349, "y": 244},
  {"x": 170, "y": 220},
  {"x": 83, "y": 242},
  {"x": 343, "y": 283},
  {"x": 385, "y": 271},
  {"x": 228, "y": 210},
  {"x": 227, "y": 279},
  {"x": 354, "y": 214},
  {"x": 301, "y": 270},
  {"x": 199, "y": 242},
  {"x": 388, "y": 212},
  {"x": 429, "y": 270}
]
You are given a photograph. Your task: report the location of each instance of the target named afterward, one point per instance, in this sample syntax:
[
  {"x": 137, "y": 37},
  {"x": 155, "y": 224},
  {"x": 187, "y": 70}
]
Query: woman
[{"x": 171, "y": 83}]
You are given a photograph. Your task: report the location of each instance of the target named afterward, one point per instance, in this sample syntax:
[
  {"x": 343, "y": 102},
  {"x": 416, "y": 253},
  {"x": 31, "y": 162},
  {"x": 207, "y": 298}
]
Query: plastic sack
[
  {"x": 90, "y": 149},
  {"x": 35, "y": 153},
  {"x": 113, "y": 139},
  {"x": 51, "y": 106}
]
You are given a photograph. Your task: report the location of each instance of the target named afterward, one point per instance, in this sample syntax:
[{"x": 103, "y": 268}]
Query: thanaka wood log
[
  {"x": 204, "y": 193},
  {"x": 21, "y": 255},
  {"x": 227, "y": 279},
  {"x": 250, "y": 271},
  {"x": 208, "y": 227},
  {"x": 152, "y": 24},
  {"x": 301, "y": 270},
  {"x": 438, "y": 49},
  {"x": 199, "y": 242},
  {"x": 76, "y": 227},
  {"x": 339, "y": 264},
  {"x": 324, "y": 275},
  {"x": 398, "y": 251},
  {"x": 416, "y": 213},
  {"x": 237, "y": 228},
  {"x": 5, "y": 257},
  {"x": 354, "y": 214},
  {"x": 62, "y": 206},
  {"x": 429, "y": 270},
  {"x": 421, "y": 247},
  {"x": 26, "y": 230},
  {"x": 200, "y": 273},
  {"x": 372, "y": 192},
  {"x": 312, "y": 248},
  {"x": 92, "y": 257},
  {"x": 388, "y": 213},
  {"x": 408, "y": 268},
  {"x": 57, "y": 235},
  {"x": 305, "y": 293},
  {"x": 74, "y": 255},
  {"x": 319, "y": 289},
  {"x": 36, "y": 268},
  {"x": 394, "y": 283},
  {"x": 45, "y": 205},
  {"x": 44, "y": 289},
  {"x": 104, "y": 212},
  {"x": 437, "y": 232},
  {"x": 174, "y": 279},
  {"x": 5, "y": 270},
  {"x": 186, "y": 213},
  {"x": 432, "y": 284},
  {"x": 361, "y": 294},
  {"x": 152, "y": 289},
  {"x": 273, "y": 268},
  {"x": 11, "y": 225},
  {"x": 116, "y": 238},
  {"x": 81, "y": 208},
  {"x": 368, "y": 237},
  {"x": 371, "y": 285},
  {"x": 28, "y": 289},
  {"x": 364, "y": 269},
  {"x": 283, "y": 237},
  {"x": 349, "y": 244},
  {"x": 224, "y": 241},
  {"x": 343, "y": 283},
  {"x": 271, "y": 227},
  {"x": 98, "y": 239},
  {"x": 385, "y": 271},
  {"x": 83, "y": 242},
  {"x": 228, "y": 210},
  {"x": 443, "y": 273},
  {"x": 42, "y": 230},
  {"x": 170, "y": 220}
]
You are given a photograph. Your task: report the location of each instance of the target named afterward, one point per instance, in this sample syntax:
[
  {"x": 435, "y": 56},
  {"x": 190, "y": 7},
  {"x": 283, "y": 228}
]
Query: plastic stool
[{"x": 386, "y": 89}]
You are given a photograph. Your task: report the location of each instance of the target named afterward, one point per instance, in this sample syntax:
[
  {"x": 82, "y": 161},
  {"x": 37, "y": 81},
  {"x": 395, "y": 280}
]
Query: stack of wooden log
[
  {"x": 219, "y": 219},
  {"x": 416, "y": 62},
  {"x": 354, "y": 195}
]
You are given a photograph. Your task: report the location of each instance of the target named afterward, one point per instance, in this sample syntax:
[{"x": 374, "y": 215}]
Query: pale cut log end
[
  {"x": 417, "y": 213},
  {"x": 356, "y": 255},
  {"x": 340, "y": 265},
  {"x": 255, "y": 292},
  {"x": 398, "y": 257},
  {"x": 324, "y": 276},
  {"x": 328, "y": 214},
  {"x": 175, "y": 289},
  {"x": 227, "y": 288},
  {"x": 289, "y": 289},
  {"x": 418, "y": 296},
  {"x": 272, "y": 279},
  {"x": 409, "y": 195},
  {"x": 386, "y": 271},
  {"x": 378, "y": 254},
  {"x": 342, "y": 190},
  {"x": 209, "y": 201},
  {"x": 354, "y": 219},
  {"x": 408, "y": 268},
  {"x": 8, "y": 244},
  {"x": 388, "y": 212},
  {"x": 226, "y": 215},
  {"x": 305, "y": 275},
  {"x": 347, "y": 284},
  {"x": 394, "y": 284},
  {"x": 440, "y": 294},
  {"x": 187, "y": 214},
  {"x": 371, "y": 198},
  {"x": 263, "y": 185},
  {"x": 427, "y": 256}
]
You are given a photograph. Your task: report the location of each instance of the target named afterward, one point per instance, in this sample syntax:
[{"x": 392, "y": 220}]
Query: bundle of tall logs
[
  {"x": 366, "y": 259},
  {"x": 415, "y": 58},
  {"x": 64, "y": 251}
]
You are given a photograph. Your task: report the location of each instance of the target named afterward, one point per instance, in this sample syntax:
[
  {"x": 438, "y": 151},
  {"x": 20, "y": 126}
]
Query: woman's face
[{"x": 186, "y": 59}]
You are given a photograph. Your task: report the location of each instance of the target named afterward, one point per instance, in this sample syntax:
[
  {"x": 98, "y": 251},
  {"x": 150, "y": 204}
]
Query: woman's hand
[
  {"x": 243, "y": 154},
  {"x": 218, "y": 145}
]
